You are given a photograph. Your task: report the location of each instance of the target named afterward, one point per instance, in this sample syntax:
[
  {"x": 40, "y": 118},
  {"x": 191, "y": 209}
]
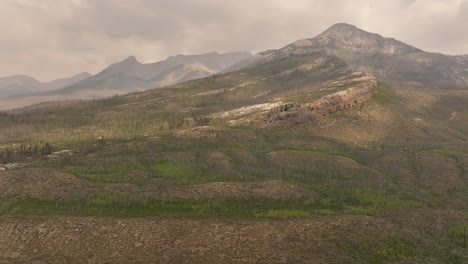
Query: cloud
[{"x": 56, "y": 38}]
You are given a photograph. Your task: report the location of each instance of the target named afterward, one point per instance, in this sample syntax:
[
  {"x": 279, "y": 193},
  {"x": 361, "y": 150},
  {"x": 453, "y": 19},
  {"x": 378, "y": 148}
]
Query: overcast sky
[{"x": 50, "y": 39}]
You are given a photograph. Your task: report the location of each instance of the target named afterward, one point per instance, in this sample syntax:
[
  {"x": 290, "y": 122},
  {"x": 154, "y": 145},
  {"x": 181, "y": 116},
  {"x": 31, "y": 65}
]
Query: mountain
[
  {"x": 295, "y": 157},
  {"x": 20, "y": 85},
  {"x": 60, "y": 83},
  {"x": 345, "y": 37},
  {"x": 389, "y": 59},
  {"x": 129, "y": 75},
  {"x": 119, "y": 78},
  {"x": 182, "y": 73},
  {"x": 17, "y": 84},
  {"x": 132, "y": 68}
]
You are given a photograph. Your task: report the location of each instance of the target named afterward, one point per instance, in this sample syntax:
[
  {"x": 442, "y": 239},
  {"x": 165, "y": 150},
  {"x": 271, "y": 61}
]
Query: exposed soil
[
  {"x": 50, "y": 184},
  {"x": 102, "y": 240},
  {"x": 271, "y": 189},
  {"x": 38, "y": 183}
]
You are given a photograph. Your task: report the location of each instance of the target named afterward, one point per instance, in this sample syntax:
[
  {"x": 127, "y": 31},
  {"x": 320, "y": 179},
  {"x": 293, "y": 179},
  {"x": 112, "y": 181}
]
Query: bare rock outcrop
[
  {"x": 345, "y": 93},
  {"x": 345, "y": 99}
]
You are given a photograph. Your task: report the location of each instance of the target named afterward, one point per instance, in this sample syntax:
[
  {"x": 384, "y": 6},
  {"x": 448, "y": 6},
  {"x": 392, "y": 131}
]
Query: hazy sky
[{"x": 50, "y": 39}]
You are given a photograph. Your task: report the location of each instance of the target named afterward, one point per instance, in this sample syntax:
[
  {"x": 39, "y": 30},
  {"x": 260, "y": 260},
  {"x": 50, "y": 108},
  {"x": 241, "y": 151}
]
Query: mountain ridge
[
  {"x": 389, "y": 59},
  {"x": 129, "y": 75},
  {"x": 21, "y": 84},
  {"x": 146, "y": 73}
]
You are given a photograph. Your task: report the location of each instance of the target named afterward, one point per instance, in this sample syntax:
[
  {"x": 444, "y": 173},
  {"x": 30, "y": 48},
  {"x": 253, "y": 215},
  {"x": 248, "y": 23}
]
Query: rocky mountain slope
[{"x": 389, "y": 59}]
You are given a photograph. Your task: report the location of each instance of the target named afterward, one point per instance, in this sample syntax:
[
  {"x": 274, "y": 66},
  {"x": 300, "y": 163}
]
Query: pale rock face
[
  {"x": 390, "y": 49},
  {"x": 347, "y": 98},
  {"x": 248, "y": 110}
]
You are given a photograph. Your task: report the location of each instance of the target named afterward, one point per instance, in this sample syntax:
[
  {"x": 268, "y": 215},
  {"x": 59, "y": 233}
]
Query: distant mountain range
[
  {"x": 123, "y": 77},
  {"x": 22, "y": 84},
  {"x": 129, "y": 75},
  {"x": 390, "y": 60}
]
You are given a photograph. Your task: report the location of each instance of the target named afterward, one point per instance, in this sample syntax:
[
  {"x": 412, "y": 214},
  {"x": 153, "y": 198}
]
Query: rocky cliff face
[
  {"x": 350, "y": 91},
  {"x": 362, "y": 91}
]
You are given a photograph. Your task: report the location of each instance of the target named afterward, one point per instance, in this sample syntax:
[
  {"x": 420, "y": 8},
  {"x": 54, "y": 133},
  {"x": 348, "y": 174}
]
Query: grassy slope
[{"x": 403, "y": 150}]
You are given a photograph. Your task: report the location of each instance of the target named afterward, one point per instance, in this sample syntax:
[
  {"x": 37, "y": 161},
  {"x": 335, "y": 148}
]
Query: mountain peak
[
  {"x": 128, "y": 62},
  {"x": 82, "y": 75},
  {"x": 351, "y": 38},
  {"x": 17, "y": 76},
  {"x": 343, "y": 27},
  {"x": 343, "y": 30},
  {"x": 131, "y": 59}
]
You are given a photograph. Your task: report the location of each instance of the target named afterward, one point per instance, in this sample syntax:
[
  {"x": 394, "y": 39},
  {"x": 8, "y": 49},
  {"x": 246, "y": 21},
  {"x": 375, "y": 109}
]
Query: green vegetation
[
  {"x": 134, "y": 206},
  {"x": 241, "y": 208},
  {"x": 182, "y": 173},
  {"x": 283, "y": 214},
  {"x": 391, "y": 249},
  {"x": 459, "y": 235}
]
